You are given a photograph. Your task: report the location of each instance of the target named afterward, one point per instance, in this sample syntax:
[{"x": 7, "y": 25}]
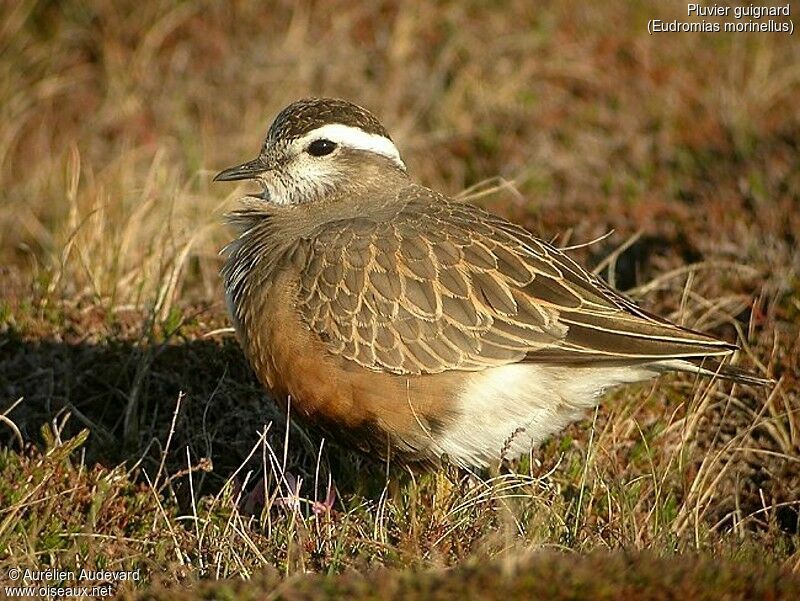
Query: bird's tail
[{"x": 714, "y": 368}]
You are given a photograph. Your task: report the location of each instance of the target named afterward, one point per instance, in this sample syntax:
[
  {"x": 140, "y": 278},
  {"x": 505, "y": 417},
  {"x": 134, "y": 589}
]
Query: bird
[{"x": 415, "y": 327}]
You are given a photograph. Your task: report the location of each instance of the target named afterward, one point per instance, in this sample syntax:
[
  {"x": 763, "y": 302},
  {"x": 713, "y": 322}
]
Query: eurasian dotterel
[{"x": 416, "y": 326}]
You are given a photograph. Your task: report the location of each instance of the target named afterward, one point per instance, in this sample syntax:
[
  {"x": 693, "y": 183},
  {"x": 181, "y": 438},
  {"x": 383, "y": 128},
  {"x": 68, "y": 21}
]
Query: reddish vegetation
[{"x": 116, "y": 114}]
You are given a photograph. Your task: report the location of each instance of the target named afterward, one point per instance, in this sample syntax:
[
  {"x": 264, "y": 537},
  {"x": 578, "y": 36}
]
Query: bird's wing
[{"x": 447, "y": 286}]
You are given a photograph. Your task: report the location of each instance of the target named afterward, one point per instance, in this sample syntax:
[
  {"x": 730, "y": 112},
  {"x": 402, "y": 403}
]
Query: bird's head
[{"x": 318, "y": 148}]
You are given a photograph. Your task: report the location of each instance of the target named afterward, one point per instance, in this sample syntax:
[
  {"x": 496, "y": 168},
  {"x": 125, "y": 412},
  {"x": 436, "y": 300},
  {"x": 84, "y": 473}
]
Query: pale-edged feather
[{"x": 447, "y": 286}]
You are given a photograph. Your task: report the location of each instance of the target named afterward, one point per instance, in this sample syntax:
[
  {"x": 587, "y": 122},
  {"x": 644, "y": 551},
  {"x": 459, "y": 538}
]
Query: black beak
[{"x": 248, "y": 170}]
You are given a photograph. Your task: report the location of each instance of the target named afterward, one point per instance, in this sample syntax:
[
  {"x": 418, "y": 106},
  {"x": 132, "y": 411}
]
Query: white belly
[{"x": 506, "y": 411}]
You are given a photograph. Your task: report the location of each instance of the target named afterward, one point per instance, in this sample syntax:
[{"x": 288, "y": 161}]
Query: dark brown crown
[{"x": 308, "y": 114}]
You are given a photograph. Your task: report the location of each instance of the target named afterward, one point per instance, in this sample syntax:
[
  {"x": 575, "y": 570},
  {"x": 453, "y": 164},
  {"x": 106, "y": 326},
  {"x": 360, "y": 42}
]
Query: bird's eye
[{"x": 319, "y": 148}]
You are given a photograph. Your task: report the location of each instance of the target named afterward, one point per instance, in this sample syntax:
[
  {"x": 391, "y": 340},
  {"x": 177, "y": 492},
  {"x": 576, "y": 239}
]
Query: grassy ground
[{"x": 132, "y": 434}]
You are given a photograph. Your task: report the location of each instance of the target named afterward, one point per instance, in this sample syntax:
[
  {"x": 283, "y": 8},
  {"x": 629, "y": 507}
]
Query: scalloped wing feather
[{"x": 444, "y": 285}]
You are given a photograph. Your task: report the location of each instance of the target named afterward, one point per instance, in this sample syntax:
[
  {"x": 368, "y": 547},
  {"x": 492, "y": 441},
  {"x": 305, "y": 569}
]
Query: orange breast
[{"x": 376, "y": 410}]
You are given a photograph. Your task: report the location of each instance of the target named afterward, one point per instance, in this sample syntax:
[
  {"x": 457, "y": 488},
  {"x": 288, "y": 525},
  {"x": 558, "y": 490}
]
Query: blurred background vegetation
[{"x": 564, "y": 116}]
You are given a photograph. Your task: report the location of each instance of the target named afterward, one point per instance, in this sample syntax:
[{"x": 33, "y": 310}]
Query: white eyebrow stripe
[{"x": 354, "y": 137}]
